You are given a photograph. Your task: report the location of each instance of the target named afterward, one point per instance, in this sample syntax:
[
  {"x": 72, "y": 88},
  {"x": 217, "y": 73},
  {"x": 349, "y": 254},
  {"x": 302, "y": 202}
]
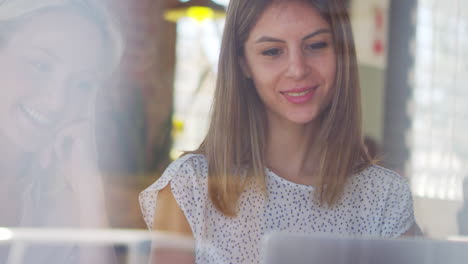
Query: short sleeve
[
  {"x": 182, "y": 175},
  {"x": 398, "y": 214}
]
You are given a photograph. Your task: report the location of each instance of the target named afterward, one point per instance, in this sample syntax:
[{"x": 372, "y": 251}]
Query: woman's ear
[{"x": 245, "y": 67}]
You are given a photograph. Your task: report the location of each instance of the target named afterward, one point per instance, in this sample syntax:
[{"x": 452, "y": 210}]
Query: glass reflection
[{"x": 54, "y": 56}]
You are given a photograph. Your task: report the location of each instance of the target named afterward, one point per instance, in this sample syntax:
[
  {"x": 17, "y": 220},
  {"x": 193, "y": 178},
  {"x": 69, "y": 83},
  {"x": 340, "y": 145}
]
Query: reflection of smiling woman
[
  {"x": 284, "y": 149},
  {"x": 46, "y": 76},
  {"x": 52, "y": 56}
]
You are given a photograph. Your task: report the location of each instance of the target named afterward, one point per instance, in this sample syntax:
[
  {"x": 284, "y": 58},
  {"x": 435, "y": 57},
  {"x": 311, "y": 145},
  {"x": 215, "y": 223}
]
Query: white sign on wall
[{"x": 369, "y": 19}]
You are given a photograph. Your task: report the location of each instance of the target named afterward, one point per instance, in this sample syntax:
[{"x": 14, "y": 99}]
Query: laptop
[{"x": 329, "y": 249}]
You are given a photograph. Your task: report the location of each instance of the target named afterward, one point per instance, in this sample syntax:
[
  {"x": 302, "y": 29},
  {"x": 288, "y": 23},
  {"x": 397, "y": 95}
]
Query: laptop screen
[{"x": 298, "y": 249}]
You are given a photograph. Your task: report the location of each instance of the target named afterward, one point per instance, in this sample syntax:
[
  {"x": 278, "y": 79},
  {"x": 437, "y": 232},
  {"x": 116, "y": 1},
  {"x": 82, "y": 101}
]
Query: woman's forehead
[
  {"x": 70, "y": 38},
  {"x": 282, "y": 17}
]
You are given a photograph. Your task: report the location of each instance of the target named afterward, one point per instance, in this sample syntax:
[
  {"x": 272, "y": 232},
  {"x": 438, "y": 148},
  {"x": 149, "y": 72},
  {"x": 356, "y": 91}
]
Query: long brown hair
[{"x": 235, "y": 144}]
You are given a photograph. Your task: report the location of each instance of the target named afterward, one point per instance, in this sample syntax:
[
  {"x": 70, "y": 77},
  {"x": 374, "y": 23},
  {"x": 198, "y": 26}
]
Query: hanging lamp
[{"x": 199, "y": 10}]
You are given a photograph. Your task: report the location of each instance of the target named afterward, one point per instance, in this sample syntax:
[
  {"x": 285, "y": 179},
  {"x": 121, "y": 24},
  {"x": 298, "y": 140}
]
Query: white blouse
[{"x": 376, "y": 202}]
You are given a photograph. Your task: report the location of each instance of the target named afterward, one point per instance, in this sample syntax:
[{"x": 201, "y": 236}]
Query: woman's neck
[
  {"x": 288, "y": 151},
  {"x": 11, "y": 162}
]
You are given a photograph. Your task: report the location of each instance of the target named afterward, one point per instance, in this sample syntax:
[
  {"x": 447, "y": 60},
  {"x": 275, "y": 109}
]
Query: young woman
[
  {"x": 53, "y": 56},
  {"x": 284, "y": 150}
]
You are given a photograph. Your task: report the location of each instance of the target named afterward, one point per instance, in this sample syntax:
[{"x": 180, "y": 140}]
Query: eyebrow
[{"x": 271, "y": 39}]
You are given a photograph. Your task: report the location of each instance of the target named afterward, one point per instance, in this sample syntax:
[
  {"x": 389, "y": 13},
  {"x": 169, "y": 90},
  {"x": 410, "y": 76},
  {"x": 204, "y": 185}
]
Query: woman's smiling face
[
  {"x": 290, "y": 57},
  {"x": 49, "y": 69}
]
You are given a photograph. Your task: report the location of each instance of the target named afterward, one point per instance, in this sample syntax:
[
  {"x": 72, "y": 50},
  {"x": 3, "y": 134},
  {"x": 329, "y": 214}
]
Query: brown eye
[
  {"x": 40, "y": 66},
  {"x": 318, "y": 45},
  {"x": 272, "y": 52}
]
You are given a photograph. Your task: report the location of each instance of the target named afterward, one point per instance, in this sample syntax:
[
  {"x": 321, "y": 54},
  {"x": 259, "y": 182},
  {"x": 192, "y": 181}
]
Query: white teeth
[
  {"x": 299, "y": 94},
  {"x": 36, "y": 116}
]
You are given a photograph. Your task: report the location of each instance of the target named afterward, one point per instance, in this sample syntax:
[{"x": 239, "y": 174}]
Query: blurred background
[
  {"x": 413, "y": 67},
  {"x": 413, "y": 64}
]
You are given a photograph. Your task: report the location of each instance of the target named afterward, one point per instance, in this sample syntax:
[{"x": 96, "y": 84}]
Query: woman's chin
[{"x": 303, "y": 120}]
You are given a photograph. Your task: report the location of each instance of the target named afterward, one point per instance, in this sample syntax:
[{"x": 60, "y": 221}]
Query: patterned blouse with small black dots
[{"x": 376, "y": 202}]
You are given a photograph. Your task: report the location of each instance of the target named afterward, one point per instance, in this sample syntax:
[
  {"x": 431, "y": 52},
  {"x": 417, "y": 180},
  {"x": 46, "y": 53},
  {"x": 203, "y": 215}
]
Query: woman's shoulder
[
  {"x": 379, "y": 178},
  {"x": 391, "y": 193},
  {"x": 381, "y": 173},
  {"x": 187, "y": 167},
  {"x": 195, "y": 163},
  {"x": 187, "y": 178}
]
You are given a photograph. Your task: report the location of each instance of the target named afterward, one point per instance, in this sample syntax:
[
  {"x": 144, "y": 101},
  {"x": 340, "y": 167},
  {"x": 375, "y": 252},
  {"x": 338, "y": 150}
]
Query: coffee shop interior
[{"x": 413, "y": 68}]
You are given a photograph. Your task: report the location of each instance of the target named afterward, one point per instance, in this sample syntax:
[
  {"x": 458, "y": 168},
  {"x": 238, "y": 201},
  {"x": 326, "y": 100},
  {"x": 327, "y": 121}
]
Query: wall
[{"x": 369, "y": 19}]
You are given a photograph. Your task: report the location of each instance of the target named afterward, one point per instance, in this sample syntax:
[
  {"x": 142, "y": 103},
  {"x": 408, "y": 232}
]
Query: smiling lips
[
  {"x": 300, "y": 95},
  {"x": 35, "y": 116}
]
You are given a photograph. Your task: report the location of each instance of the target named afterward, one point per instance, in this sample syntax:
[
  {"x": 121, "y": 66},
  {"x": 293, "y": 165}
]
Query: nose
[
  {"x": 297, "y": 66},
  {"x": 54, "y": 101}
]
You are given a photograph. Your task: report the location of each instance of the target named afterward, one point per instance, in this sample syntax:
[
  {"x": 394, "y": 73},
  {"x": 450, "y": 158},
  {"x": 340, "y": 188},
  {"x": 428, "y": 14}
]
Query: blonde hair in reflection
[
  {"x": 235, "y": 144},
  {"x": 14, "y": 12}
]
